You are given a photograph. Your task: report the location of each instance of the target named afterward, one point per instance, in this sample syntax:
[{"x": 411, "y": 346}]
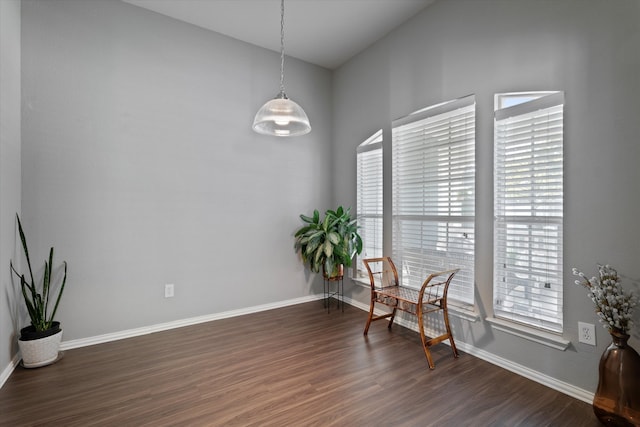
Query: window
[
  {"x": 528, "y": 208},
  {"x": 369, "y": 203},
  {"x": 433, "y": 184}
]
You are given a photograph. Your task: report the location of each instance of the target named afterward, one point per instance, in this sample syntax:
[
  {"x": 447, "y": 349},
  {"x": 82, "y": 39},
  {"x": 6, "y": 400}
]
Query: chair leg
[
  {"x": 425, "y": 344},
  {"x": 393, "y": 316},
  {"x": 366, "y": 328},
  {"x": 445, "y": 312}
]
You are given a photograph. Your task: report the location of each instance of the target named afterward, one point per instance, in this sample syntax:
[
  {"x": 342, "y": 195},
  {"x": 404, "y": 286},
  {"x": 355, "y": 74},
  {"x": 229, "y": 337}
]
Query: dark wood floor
[{"x": 295, "y": 366}]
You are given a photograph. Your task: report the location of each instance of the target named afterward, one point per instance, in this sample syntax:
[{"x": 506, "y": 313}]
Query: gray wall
[
  {"x": 9, "y": 169},
  {"x": 139, "y": 164},
  {"x": 589, "y": 49},
  {"x": 141, "y": 167}
]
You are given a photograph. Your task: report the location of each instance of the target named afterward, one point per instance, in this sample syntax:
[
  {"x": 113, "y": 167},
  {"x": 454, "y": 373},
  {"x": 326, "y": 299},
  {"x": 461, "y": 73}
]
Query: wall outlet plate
[
  {"x": 168, "y": 290},
  {"x": 586, "y": 333}
]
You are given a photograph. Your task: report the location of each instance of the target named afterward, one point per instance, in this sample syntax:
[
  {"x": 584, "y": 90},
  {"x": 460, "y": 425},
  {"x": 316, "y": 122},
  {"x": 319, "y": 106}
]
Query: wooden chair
[{"x": 431, "y": 297}]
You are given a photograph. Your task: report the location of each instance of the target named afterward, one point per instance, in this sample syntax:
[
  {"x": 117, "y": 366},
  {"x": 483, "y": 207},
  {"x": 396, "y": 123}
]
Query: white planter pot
[{"x": 40, "y": 352}]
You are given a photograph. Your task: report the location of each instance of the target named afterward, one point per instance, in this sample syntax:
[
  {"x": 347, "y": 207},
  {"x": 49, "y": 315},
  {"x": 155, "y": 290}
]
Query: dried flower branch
[{"x": 613, "y": 306}]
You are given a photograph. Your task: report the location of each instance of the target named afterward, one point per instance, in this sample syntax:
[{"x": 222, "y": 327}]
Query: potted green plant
[
  {"x": 329, "y": 244},
  {"x": 39, "y": 342}
]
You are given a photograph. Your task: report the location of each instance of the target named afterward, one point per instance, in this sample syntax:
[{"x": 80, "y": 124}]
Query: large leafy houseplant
[
  {"x": 329, "y": 243},
  {"x": 38, "y": 296}
]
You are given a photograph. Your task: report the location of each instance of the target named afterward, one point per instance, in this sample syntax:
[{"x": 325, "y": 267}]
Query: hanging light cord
[{"x": 282, "y": 49}]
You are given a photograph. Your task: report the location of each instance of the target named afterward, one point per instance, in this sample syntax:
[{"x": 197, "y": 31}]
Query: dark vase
[{"x": 617, "y": 399}]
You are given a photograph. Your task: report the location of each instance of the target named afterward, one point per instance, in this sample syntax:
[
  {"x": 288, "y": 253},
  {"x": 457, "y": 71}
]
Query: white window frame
[
  {"x": 369, "y": 200},
  {"x": 528, "y": 209},
  {"x": 433, "y": 195}
]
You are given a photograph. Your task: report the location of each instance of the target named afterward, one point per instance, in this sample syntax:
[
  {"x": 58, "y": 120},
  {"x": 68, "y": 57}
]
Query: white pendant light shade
[{"x": 281, "y": 117}]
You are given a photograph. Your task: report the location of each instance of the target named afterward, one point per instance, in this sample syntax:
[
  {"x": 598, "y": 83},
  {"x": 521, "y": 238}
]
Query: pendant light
[{"x": 281, "y": 116}]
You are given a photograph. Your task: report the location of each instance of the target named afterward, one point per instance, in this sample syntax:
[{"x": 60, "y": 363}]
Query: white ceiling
[{"x": 323, "y": 32}]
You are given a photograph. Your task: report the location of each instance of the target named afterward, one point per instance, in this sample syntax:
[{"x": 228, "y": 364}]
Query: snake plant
[
  {"x": 37, "y": 296},
  {"x": 328, "y": 243}
]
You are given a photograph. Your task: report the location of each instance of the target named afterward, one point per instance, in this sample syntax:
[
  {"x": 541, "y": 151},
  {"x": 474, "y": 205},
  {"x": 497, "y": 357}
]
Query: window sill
[
  {"x": 362, "y": 281},
  {"x": 531, "y": 334},
  {"x": 463, "y": 312}
]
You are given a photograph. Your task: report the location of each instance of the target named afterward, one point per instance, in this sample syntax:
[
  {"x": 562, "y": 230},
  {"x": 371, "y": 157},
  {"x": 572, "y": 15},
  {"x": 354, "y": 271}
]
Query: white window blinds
[
  {"x": 528, "y": 207},
  {"x": 433, "y": 185},
  {"x": 369, "y": 199}
]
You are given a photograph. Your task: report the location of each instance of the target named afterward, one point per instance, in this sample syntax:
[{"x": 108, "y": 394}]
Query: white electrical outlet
[
  {"x": 168, "y": 290},
  {"x": 586, "y": 333}
]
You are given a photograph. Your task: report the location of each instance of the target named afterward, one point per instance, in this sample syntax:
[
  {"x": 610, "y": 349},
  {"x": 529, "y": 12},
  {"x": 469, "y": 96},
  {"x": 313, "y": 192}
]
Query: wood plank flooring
[{"x": 294, "y": 366}]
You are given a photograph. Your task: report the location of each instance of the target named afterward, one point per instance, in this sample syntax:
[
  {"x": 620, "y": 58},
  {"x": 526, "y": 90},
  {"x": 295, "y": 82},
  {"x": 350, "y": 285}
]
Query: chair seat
[{"x": 405, "y": 299}]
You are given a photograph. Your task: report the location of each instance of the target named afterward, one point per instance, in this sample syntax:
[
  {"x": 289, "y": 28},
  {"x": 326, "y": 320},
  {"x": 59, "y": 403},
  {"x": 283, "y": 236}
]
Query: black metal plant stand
[{"x": 337, "y": 291}]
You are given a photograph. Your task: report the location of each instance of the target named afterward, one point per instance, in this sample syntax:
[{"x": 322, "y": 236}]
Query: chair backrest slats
[
  {"x": 382, "y": 272},
  {"x": 440, "y": 287}
]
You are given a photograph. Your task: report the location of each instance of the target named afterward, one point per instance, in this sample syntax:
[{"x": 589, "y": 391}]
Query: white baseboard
[
  {"x": 546, "y": 380},
  {"x": 129, "y": 333},
  {"x": 524, "y": 371},
  {"x": 6, "y": 373}
]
